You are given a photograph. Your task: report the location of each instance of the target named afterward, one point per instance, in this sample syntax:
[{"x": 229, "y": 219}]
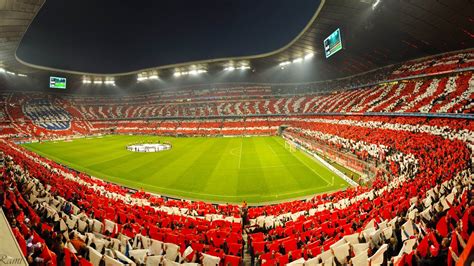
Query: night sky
[{"x": 119, "y": 36}]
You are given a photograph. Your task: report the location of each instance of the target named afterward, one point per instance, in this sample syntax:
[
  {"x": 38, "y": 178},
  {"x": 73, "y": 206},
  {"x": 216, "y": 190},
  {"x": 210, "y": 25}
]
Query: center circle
[{"x": 149, "y": 147}]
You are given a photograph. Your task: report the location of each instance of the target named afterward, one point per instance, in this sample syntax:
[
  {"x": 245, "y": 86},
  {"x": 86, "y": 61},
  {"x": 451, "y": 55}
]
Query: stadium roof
[
  {"x": 110, "y": 37},
  {"x": 375, "y": 33}
]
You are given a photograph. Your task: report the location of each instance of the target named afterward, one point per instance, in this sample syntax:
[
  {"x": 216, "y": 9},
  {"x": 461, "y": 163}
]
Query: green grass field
[{"x": 255, "y": 169}]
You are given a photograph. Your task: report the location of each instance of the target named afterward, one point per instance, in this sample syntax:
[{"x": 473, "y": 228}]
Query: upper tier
[{"x": 452, "y": 93}]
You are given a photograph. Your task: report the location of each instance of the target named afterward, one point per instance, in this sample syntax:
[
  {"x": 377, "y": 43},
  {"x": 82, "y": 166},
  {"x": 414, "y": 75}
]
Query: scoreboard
[
  {"x": 333, "y": 43},
  {"x": 57, "y": 83}
]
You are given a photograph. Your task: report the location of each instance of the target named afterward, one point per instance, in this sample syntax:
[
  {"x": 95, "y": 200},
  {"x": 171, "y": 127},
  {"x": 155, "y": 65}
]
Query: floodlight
[
  {"x": 297, "y": 60},
  {"x": 375, "y": 4},
  {"x": 308, "y": 56}
]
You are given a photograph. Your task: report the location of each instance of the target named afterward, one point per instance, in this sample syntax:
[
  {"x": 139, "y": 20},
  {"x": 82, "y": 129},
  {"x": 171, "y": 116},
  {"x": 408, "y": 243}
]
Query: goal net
[{"x": 290, "y": 146}]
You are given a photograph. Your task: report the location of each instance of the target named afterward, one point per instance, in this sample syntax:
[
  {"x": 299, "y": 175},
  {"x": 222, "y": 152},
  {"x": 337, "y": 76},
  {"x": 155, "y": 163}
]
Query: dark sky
[{"x": 108, "y": 36}]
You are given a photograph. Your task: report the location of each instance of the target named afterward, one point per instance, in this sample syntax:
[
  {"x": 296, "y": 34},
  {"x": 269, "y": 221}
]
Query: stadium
[{"x": 216, "y": 133}]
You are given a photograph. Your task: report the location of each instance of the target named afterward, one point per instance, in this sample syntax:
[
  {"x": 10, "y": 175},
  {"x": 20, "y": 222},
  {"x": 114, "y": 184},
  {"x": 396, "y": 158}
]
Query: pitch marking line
[
  {"x": 271, "y": 166},
  {"x": 240, "y": 154},
  {"x": 233, "y": 152},
  {"x": 314, "y": 171}
]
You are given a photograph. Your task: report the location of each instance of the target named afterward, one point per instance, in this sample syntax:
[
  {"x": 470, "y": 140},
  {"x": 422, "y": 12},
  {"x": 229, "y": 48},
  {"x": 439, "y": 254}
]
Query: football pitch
[{"x": 217, "y": 169}]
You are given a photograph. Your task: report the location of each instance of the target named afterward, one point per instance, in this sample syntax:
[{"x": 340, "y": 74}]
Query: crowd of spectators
[{"x": 417, "y": 211}]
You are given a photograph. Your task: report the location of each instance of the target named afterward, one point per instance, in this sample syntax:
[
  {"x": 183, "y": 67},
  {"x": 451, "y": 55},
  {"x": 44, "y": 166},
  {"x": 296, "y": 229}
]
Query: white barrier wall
[{"x": 10, "y": 252}]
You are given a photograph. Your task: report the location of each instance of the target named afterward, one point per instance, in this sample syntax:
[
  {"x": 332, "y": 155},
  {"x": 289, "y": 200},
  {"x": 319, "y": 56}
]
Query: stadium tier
[
  {"x": 65, "y": 115},
  {"x": 410, "y": 134}
]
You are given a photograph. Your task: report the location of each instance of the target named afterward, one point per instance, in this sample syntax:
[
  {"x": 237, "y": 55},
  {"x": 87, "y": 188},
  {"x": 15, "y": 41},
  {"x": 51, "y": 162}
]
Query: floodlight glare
[
  {"x": 11, "y": 73},
  {"x": 376, "y": 3},
  {"x": 177, "y": 74},
  {"x": 97, "y": 81},
  {"x": 2, "y": 70},
  {"x": 308, "y": 56},
  {"x": 285, "y": 63},
  {"x": 22, "y": 75},
  {"x": 231, "y": 68},
  {"x": 153, "y": 77},
  {"x": 297, "y": 60}
]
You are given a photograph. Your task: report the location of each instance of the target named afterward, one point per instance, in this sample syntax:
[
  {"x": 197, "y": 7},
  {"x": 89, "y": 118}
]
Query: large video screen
[
  {"x": 333, "y": 43},
  {"x": 57, "y": 83}
]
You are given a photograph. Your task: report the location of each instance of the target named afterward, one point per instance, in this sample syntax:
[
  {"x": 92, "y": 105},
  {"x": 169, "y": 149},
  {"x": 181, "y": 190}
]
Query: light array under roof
[
  {"x": 308, "y": 56},
  {"x": 192, "y": 72},
  {"x": 3, "y": 70},
  {"x": 296, "y": 60},
  {"x": 241, "y": 66},
  {"x": 99, "y": 81},
  {"x": 232, "y": 66},
  {"x": 151, "y": 75}
]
